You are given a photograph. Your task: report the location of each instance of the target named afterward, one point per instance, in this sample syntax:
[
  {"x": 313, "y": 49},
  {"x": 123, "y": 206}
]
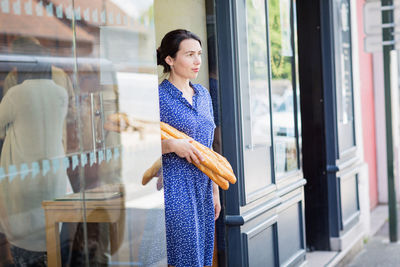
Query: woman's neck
[{"x": 181, "y": 83}]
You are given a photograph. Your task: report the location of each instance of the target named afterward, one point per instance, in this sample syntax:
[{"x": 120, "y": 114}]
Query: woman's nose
[{"x": 197, "y": 60}]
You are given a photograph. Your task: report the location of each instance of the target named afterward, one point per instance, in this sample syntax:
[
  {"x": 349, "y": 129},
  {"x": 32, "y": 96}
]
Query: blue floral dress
[{"x": 189, "y": 208}]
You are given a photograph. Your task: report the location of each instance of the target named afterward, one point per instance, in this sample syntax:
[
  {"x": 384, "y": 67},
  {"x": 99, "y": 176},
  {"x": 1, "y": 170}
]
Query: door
[
  {"x": 90, "y": 80},
  {"x": 258, "y": 80}
]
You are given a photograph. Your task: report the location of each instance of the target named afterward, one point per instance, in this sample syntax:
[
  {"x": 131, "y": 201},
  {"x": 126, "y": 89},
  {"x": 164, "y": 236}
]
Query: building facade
[{"x": 289, "y": 105}]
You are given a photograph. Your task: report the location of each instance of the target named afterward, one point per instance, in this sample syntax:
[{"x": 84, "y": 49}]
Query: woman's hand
[
  {"x": 217, "y": 203},
  {"x": 183, "y": 148}
]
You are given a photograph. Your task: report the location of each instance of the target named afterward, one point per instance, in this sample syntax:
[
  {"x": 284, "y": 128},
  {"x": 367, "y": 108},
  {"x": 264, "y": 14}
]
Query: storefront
[
  {"x": 63, "y": 168},
  {"x": 336, "y": 193},
  {"x": 71, "y": 183}
]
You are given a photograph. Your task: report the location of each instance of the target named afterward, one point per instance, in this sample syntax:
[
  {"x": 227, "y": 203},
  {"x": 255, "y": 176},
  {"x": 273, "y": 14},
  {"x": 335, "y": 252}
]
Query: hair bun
[{"x": 159, "y": 56}]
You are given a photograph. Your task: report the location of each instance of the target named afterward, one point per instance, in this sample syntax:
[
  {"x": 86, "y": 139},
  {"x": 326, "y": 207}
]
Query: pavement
[{"x": 378, "y": 251}]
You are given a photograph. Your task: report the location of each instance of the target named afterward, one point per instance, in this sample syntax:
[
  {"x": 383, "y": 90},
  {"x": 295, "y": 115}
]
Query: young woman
[{"x": 191, "y": 198}]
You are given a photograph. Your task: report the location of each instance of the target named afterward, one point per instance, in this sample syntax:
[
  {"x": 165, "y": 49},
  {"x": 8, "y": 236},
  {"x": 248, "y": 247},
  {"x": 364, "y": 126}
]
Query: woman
[{"x": 191, "y": 198}]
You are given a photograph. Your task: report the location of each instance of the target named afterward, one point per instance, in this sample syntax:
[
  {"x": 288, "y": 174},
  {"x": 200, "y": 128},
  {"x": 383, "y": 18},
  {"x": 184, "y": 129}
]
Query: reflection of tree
[
  {"x": 280, "y": 64},
  {"x": 257, "y": 39}
]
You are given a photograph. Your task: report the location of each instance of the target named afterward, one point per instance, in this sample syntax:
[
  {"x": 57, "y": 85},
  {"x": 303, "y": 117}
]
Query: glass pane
[
  {"x": 118, "y": 136},
  {"x": 282, "y": 68},
  {"x": 344, "y": 85},
  {"x": 258, "y": 70},
  {"x": 37, "y": 121},
  {"x": 255, "y": 100}
]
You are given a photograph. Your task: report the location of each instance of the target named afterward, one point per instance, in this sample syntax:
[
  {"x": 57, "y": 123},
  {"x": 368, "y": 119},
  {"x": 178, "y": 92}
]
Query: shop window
[
  {"x": 344, "y": 76},
  {"x": 79, "y": 119},
  {"x": 284, "y": 91},
  {"x": 255, "y": 102}
]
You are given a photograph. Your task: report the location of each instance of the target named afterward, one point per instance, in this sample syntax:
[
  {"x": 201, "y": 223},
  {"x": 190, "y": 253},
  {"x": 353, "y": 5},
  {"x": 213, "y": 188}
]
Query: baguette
[
  {"x": 220, "y": 181},
  {"x": 151, "y": 172},
  {"x": 119, "y": 118},
  {"x": 213, "y": 160}
]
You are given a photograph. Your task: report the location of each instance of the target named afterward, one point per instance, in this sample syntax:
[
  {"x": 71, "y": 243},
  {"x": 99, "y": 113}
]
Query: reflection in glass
[
  {"x": 282, "y": 64},
  {"x": 119, "y": 111},
  {"x": 37, "y": 109},
  {"x": 32, "y": 115},
  {"x": 255, "y": 100},
  {"x": 344, "y": 91},
  {"x": 65, "y": 160},
  {"x": 258, "y": 70}
]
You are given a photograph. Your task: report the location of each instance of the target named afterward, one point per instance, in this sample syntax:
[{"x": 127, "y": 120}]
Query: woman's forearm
[
  {"x": 166, "y": 146},
  {"x": 215, "y": 190}
]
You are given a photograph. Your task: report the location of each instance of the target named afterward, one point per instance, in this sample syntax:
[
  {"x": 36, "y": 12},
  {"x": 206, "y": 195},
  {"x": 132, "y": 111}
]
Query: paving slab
[{"x": 378, "y": 251}]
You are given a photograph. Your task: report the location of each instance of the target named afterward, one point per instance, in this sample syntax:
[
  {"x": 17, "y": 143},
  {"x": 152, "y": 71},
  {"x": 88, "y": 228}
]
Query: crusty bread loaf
[
  {"x": 151, "y": 172},
  {"x": 220, "y": 181},
  {"x": 213, "y": 160}
]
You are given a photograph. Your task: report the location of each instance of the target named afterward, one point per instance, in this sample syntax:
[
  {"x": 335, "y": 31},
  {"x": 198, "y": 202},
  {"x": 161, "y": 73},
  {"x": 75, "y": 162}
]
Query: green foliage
[{"x": 281, "y": 65}]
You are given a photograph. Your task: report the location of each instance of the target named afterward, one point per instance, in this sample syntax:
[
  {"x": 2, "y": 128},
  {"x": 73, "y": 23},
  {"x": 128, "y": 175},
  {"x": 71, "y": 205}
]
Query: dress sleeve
[{"x": 6, "y": 114}]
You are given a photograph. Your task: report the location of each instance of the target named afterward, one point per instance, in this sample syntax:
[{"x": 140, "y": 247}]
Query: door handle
[{"x": 95, "y": 112}]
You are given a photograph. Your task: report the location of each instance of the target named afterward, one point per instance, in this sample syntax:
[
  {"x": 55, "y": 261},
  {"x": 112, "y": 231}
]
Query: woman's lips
[{"x": 196, "y": 70}]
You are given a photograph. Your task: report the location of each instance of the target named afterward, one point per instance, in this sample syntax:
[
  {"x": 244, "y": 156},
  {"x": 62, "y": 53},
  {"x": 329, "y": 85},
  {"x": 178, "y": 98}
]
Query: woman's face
[{"x": 187, "y": 61}]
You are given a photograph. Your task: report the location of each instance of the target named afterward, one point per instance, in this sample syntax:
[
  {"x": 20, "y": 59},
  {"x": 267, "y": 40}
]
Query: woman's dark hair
[{"x": 170, "y": 46}]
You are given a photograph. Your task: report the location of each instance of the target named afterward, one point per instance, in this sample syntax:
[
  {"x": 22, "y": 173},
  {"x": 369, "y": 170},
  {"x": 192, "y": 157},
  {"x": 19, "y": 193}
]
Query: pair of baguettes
[{"x": 215, "y": 166}]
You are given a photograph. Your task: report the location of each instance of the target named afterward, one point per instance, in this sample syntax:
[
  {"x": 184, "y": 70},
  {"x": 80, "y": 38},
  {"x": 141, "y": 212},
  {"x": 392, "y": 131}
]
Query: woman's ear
[{"x": 169, "y": 60}]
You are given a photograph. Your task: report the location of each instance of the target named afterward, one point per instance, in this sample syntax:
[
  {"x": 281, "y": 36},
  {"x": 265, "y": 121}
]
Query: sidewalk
[{"x": 378, "y": 251}]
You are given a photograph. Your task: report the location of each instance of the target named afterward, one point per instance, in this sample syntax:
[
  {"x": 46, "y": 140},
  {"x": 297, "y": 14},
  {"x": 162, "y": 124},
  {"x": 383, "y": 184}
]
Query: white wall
[
  {"x": 183, "y": 14},
  {"x": 363, "y": 178}
]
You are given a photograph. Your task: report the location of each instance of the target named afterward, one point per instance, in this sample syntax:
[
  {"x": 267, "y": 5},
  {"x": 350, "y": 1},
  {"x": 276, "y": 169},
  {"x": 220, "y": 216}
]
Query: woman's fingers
[
  {"x": 198, "y": 154},
  {"x": 194, "y": 157}
]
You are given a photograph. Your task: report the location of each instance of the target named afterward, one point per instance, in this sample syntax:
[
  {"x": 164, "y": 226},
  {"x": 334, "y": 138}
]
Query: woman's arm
[
  {"x": 217, "y": 202},
  {"x": 183, "y": 148}
]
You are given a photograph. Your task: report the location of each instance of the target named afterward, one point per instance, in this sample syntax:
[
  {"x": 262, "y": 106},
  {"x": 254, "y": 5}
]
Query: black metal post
[{"x": 388, "y": 46}]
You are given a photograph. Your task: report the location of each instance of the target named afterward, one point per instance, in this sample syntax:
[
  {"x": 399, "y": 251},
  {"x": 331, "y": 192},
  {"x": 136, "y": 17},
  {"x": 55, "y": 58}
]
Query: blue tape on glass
[
  {"x": 17, "y": 8},
  {"x": 45, "y": 166},
  {"x": 5, "y": 6},
  {"x": 75, "y": 162},
  {"x": 65, "y": 162},
  {"x": 116, "y": 153},
  {"x": 2, "y": 174},
  {"x": 35, "y": 169},
  {"x": 110, "y": 18},
  {"x": 78, "y": 13},
  {"x": 39, "y": 9},
  {"x": 93, "y": 158},
  {"x": 24, "y": 169},
  {"x": 118, "y": 19},
  {"x": 86, "y": 15},
  {"x": 28, "y": 7},
  {"x": 56, "y": 165},
  {"x": 103, "y": 17},
  {"x": 59, "y": 11},
  {"x": 101, "y": 156},
  {"x": 108, "y": 155},
  {"x": 49, "y": 10},
  {"x": 83, "y": 159},
  {"x": 95, "y": 16},
  {"x": 12, "y": 172}
]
